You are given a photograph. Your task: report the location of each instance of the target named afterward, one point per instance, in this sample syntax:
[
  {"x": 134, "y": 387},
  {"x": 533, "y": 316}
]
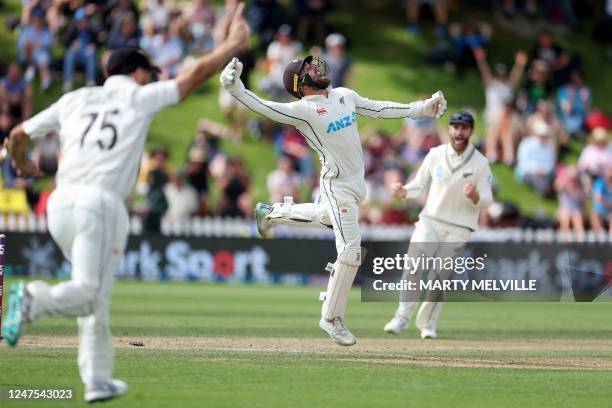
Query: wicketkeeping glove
[
  {"x": 435, "y": 106},
  {"x": 230, "y": 77}
]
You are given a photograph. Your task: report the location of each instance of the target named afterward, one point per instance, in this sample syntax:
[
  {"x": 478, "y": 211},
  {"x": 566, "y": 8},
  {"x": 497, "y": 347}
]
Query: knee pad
[{"x": 351, "y": 256}]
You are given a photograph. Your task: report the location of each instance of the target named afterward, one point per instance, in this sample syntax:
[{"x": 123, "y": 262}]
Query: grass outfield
[{"x": 223, "y": 345}]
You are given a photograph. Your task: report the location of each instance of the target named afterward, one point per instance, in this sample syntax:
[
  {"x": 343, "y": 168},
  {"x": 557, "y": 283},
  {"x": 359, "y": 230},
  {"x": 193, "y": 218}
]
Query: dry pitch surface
[{"x": 439, "y": 352}]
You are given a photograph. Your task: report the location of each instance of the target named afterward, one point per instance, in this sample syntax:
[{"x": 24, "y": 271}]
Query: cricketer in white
[
  {"x": 102, "y": 133},
  {"x": 458, "y": 179},
  {"x": 327, "y": 118}
]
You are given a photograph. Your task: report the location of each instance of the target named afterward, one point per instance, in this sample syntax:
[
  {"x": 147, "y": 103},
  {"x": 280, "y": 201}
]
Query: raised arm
[
  {"x": 433, "y": 107},
  {"x": 480, "y": 55},
  {"x": 206, "y": 66},
  {"x": 520, "y": 60},
  {"x": 286, "y": 113}
]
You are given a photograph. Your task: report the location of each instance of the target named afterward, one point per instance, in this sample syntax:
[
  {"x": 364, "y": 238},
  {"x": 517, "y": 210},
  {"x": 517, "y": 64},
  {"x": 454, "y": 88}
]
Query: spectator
[
  {"x": 465, "y": 38},
  {"x": 15, "y": 97},
  {"x": 574, "y": 103},
  {"x": 602, "y": 202},
  {"x": 235, "y": 112},
  {"x": 157, "y": 13},
  {"x": 558, "y": 61},
  {"x": 415, "y": 138},
  {"x": 235, "y": 184},
  {"x": 603, "y": 30},
  {"x": 200, "y": 154},
  {"x": 201, "y": 22},
  {"x": 509, "y": 8},
  {"x": 281, "y": 52},
  {"x": 124, "y": 34},
  {"x": 499, "y": 95},
  {"x": 148, "y": 38},
  {"x": 168, "y": 50},
  {"x": 118, "y": 9},
  {"x": 283, "y": 182},
  {"x": 393, "y": 211},
  {"x": 181, "y": 197},
  {"x": 571, "y": 203},
  {"x": 545, "y": 112},
  {"x": 34, "y": 50},
  {"x": 536, "y": 88},
  {"x": 265, "y": 17},
  {"x": 156, "y": 203},
  {"x": 31, "y": 8},
  {"x": 337, "y": 60},
  {"x": 595, "y": 156},
  {"x": 81, "y": 46},
  {"x": 537, "y": 159},
  {"x": 440, "y": 10},
  {"x": 293, "y": 144},
  {"x": 311, "y": 21}
]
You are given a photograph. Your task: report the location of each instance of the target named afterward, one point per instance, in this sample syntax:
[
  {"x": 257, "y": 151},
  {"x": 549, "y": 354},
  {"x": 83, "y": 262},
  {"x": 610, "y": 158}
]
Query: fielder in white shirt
[
  {"x": 327, "y": 119},
  {"x": 458, "y": 179},
  {"x": 102, "y": 133}
]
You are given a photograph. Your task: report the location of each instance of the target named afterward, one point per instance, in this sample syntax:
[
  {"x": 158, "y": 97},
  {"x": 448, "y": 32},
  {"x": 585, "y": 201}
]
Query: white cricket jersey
[
  {"x": 444, "y": 173},
  {"x": 102, "y": 130},
  {"x": 329, "y": 126}
]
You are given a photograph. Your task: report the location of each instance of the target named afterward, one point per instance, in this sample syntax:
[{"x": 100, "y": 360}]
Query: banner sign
[{"x": 476, "y": 271}]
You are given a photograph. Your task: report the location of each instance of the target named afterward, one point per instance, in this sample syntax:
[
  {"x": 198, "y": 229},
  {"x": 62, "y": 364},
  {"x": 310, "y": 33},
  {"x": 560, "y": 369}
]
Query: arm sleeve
[
  {"x": 154, "y": 97},
  {"x": 421, "y": 181},
  {"x": 43, "y": 123},
  {"x": 287, "y": 113},
  {"x": 484, "y": 189},
  {"x": 385, "y": 109}
]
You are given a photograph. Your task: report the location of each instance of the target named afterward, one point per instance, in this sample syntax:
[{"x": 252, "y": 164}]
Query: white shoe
[
  {"x": 336, "y": 330},
  {"x": 30, "y": 73},
  {"x": 105, "y": 391},
  {"x": 428, "y": 334},
  {"x": 397, "y": 324}
]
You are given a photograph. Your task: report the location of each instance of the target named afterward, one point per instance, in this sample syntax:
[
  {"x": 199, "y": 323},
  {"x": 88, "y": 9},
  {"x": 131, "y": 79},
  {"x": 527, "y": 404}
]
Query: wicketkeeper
[{"x": 327, "y": 119}]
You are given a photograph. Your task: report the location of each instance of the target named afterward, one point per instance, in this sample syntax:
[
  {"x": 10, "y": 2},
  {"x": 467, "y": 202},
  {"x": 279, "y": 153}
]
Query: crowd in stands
[{"x": 535, "y": 110}]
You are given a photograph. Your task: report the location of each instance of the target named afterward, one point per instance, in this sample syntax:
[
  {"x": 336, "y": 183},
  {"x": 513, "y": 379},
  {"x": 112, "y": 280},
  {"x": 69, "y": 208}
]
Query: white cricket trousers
[
  {"x": 90, "y": 226},
  {"x": 338, "y": 207},
  {"x": 431, "y": 238}
]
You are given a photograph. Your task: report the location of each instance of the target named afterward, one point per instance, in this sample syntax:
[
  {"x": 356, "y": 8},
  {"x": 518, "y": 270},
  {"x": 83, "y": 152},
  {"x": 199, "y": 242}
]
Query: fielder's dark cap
[
  {"x": 124, "y": 61},
  {"x": 291, "y": 76},
  {"x": 462, "y": 117}
]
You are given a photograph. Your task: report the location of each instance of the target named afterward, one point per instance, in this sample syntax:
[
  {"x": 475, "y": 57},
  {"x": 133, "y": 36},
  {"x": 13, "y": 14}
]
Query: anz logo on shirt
[{"x": 341, "y": 123}]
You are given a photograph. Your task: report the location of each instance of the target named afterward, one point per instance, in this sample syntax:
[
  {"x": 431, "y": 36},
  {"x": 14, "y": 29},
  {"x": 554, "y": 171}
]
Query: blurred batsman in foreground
[
  {"x": 327, "y": 119},
  {"x": 102, "y": 132},
  {"x": 458, "y": 179}
]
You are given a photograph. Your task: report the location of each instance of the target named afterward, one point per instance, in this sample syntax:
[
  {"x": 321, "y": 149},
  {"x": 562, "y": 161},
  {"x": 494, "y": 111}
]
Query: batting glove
[
  {"x": 230, "y": 77},
  {"x": 435, "y": 106}
]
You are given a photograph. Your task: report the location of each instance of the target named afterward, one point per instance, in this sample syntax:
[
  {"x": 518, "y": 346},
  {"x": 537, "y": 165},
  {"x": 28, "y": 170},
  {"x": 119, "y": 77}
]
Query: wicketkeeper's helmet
[{"x": 311, "y": 71}]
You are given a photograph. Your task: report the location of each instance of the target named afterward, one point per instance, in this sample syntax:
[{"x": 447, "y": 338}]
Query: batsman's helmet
[{"x": 295, "y": 76}]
